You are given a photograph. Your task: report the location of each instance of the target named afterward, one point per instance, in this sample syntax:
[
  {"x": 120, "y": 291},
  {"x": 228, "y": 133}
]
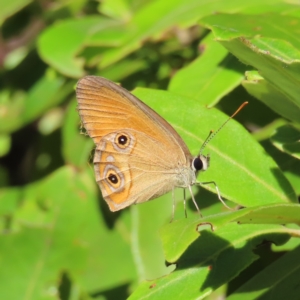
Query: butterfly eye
[
  {"x": 122, "y": 140},
  {"x": 200, "y": 163},
  {"x": 197, "y": 164}
]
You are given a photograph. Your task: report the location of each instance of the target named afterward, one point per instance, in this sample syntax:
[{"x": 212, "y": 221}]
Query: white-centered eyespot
[{"x": 114, "y": 178}]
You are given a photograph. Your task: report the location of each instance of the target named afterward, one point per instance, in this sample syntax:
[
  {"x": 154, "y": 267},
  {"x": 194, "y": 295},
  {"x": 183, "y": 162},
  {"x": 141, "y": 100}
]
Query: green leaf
[
  {"x": 265, "y": 132},
  {"x": 210, "y": 77},
  {"x": 179, "y": 235},
  {"x": 11, "y": 109},
  {"x": 258, "y": 42},
  {"x": 146, "y": 245},
  {"x": 118, "y": 9},
  {"x": 257, "y": 184},
  {"x": 9, "y": 8},
  {"x": 72, "y": 237},
  {"x": 9, "y": 200},
  {"x": 158, "y": 16},
  {"x": 277, "y": 281},
  {"x": 211, "y": 261},
  {"x": 46, "y": 93},
  {"x": 293, "y": 174},
  {"x": 58, "y": 239},
  {"x": 123, "y": 69},
  {"x": 119, "y": 39},
  {"x": 287, "y": 139},
  {"x": 72, "y": 34},
  {"x": 271, "y": 95}
]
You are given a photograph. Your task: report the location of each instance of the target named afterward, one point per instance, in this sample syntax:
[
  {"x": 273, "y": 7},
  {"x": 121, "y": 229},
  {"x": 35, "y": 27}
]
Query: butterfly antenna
[{"x": 212, "y": 133}]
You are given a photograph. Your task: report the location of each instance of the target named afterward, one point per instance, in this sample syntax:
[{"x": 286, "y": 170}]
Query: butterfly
[{"x": 139, "y": 156}]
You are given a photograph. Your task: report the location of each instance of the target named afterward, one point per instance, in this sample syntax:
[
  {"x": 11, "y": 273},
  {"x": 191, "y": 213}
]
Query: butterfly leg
[
  {"x": 218, "y": 192},
  {"x": 190, "y": 189},
  {"x": 184, "y": 203}
]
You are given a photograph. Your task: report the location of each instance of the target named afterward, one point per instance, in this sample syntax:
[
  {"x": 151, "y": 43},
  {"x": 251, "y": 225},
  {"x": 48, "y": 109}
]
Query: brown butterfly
[{"x": 139, "y": 156}]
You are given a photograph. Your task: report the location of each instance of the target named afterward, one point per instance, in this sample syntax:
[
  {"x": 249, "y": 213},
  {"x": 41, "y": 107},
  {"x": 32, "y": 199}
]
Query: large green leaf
[
  {"x": 234, "y": 154},
  {"x": 271, "y": 95},
  {"x": 179, "y": 235},
  {"x": 258, "y": 42},
  {"x": 19, "y": 109},
  {"x": 62, "y": 231},
  {"x": 157, "y": 16},
  {"x": 118, "y": 38},
  {"x": 9, "y": 200},
  {"x": 8, "y": 8},
  {"x": 58, "y": 238},
  {"x": 73, "y": 35},
  {"x": 211, "y": 261},
  {"x": 287, "y": 138},
  {"x": 211, "y": 76},
  {"x": 277, "y": 281}
]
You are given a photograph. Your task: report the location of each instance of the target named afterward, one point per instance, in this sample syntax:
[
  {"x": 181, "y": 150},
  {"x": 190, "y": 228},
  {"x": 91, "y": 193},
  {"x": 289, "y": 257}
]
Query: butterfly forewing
[{"x": 105, "y": 107}]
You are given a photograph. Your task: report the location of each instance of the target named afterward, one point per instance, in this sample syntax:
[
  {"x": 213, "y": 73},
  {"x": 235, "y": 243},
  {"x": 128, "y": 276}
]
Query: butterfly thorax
[{"x": 185, "y": 177}]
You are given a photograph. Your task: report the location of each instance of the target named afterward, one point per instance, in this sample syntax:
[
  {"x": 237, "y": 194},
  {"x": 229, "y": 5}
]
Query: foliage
[{"x": 58, "y": 239}]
